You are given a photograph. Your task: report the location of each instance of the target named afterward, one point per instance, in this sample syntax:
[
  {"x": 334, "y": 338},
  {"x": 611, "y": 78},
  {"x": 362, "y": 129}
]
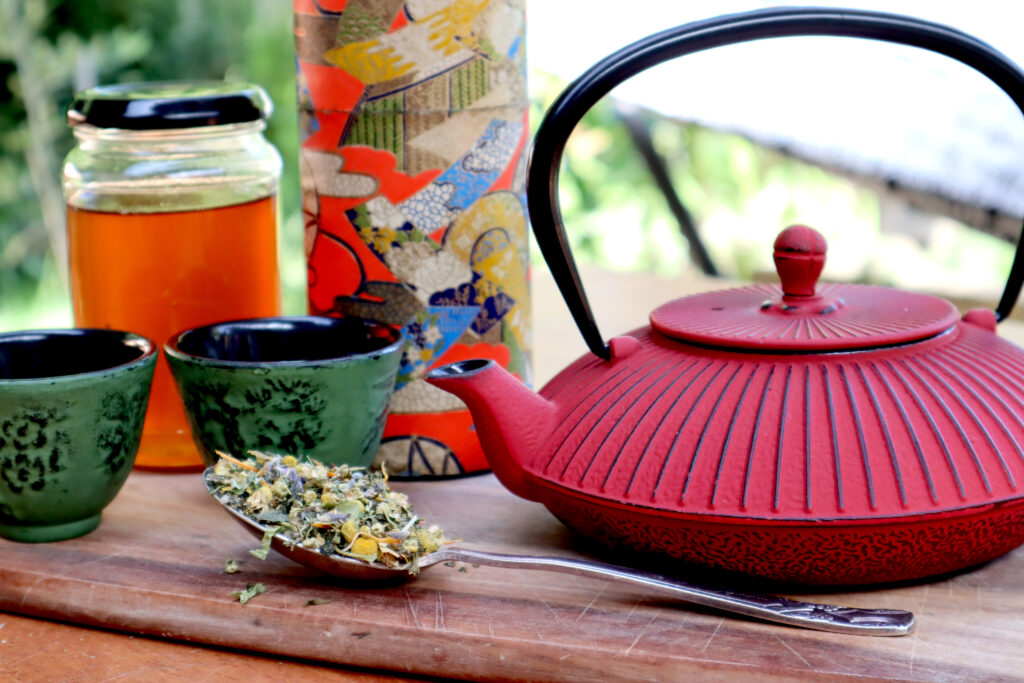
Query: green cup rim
[
  {"x": 147, "y": 346},
  {"x": 172, "y": 350}
]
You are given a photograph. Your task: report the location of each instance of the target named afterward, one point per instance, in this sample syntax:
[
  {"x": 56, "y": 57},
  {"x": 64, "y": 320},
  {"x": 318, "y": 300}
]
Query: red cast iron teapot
[{"x": 829, "y": 434}]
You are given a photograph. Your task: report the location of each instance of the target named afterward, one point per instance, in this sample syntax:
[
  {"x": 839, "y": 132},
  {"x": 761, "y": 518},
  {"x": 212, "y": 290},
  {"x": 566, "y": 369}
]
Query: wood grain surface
[
  {"x": 47, "y": 651},
  {"x": 154, "y": 568}
]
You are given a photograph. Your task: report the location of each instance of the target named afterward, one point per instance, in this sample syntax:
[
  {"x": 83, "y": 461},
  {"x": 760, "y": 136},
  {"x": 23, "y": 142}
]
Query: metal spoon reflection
[{"x": 853, "y": 620}]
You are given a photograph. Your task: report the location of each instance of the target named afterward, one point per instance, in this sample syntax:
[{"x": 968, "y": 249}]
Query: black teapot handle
[{"x": 596, "y": 82}]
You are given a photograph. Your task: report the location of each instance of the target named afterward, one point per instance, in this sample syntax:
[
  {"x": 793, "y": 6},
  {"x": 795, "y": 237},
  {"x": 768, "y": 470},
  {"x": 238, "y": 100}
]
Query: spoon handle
[{"x": 870, "y": 622}]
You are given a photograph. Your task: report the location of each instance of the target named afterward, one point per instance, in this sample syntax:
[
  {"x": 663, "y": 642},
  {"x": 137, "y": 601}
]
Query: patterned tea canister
[{"x": 413, "y": 119}]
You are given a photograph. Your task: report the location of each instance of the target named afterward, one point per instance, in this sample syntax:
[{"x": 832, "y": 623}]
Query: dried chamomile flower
[{"x": 334, "y": 509}]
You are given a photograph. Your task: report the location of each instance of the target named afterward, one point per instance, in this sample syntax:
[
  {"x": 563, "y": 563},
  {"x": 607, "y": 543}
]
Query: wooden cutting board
[{"x": 155, "y": 566}]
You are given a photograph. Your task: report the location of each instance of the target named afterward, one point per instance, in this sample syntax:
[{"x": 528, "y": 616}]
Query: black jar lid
[{"x": 171, "y": 104}]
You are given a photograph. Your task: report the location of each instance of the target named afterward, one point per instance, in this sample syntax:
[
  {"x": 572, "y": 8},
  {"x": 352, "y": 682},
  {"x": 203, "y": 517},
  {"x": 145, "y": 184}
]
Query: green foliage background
[{"x": 739, "y": 194}]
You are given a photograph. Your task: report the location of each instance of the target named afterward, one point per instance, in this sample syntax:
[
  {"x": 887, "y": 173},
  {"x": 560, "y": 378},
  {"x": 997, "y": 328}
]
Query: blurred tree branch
[{"x": 21, "y": 24}]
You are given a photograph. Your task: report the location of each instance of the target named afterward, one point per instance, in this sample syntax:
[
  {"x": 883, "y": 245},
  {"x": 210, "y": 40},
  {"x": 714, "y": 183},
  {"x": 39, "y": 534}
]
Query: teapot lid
[{"x": 801, "y": 316}]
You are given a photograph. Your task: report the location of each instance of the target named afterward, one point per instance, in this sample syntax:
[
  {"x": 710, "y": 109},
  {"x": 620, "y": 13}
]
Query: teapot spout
[{"x": 512, "y": 422}]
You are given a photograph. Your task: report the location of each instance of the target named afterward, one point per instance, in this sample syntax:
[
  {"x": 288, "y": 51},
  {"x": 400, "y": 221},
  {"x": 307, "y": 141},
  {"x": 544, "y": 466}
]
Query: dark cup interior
[
  {"x": 269, "y": 340},
  {"x": 59, "y": 353}
]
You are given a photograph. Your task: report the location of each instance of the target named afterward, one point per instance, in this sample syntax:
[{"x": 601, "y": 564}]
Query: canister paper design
[{"x": 413, "y": 118}]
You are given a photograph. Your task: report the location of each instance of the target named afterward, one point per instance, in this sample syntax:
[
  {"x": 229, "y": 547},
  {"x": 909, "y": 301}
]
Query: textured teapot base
[{"x": 825, "y": 553}]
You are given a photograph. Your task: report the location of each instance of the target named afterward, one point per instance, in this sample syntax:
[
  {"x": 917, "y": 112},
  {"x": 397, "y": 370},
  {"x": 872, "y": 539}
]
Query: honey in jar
[{"x": 172, "y": 223}]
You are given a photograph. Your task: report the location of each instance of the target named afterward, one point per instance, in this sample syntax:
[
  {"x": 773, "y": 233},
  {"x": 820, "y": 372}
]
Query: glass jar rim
[
  {"x": 167, "y": 105},
  {"x": 86, "y": 133}
]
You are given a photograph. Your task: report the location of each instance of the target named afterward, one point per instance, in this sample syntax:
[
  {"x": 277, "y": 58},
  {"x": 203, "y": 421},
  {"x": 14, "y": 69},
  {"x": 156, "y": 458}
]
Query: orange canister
[{"x": 413, "y": 125}]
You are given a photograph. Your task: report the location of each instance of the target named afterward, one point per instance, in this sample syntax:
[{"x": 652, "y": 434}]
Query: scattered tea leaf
[
  {"x": 250, "y": 592},
  {"x": 230, "y": 566},
  {"x": 463, "y": 569},
  {"x": 268, "y": 536},
  {"x": 317, "y": 601}
]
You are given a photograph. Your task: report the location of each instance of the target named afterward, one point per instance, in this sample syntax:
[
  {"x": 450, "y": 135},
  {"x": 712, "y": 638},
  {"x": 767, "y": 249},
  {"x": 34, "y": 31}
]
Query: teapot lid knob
[
  {"x": 802, "y": 316},
  {"x": 799, "y": 259}
]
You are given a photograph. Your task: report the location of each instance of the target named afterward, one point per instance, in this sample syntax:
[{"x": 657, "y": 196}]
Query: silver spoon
[{"x": 854, "y": 620}]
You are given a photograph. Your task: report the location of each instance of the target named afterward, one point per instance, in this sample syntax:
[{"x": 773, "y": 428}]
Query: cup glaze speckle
[
  {"x": 72, "y": 404},
  {"x": 304, "y": 385}
]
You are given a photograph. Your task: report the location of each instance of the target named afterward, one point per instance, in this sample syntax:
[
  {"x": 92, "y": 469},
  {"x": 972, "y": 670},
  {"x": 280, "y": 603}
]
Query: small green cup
[
  {"x": 304, "y": 385},
  {"x": 72, "y": 404}
]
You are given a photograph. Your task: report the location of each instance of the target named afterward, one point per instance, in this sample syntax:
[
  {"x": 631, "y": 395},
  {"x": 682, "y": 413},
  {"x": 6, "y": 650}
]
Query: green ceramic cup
[
  {"x": 72, "y": 404},
  {"x": 305, "y": 385}
]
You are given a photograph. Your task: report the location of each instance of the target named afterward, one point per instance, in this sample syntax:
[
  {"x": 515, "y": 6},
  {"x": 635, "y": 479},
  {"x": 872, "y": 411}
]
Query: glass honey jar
[{"x": 172, "y": 222}]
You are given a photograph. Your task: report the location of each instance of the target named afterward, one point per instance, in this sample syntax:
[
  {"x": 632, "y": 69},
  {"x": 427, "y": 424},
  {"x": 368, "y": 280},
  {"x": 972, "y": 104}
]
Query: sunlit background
[{"x": 739, "y": 193}]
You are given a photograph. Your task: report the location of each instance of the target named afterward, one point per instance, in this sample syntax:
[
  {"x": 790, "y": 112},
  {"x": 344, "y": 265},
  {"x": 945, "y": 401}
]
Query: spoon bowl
[
  {"x": 821, "y": 617},
  {"x": 337, "y": 566}
]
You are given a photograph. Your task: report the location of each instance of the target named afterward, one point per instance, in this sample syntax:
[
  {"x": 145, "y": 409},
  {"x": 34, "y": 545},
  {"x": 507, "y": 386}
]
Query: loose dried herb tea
[
  {"x": 338, "y": 509},
  {"x": 230, "y": 566}
]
